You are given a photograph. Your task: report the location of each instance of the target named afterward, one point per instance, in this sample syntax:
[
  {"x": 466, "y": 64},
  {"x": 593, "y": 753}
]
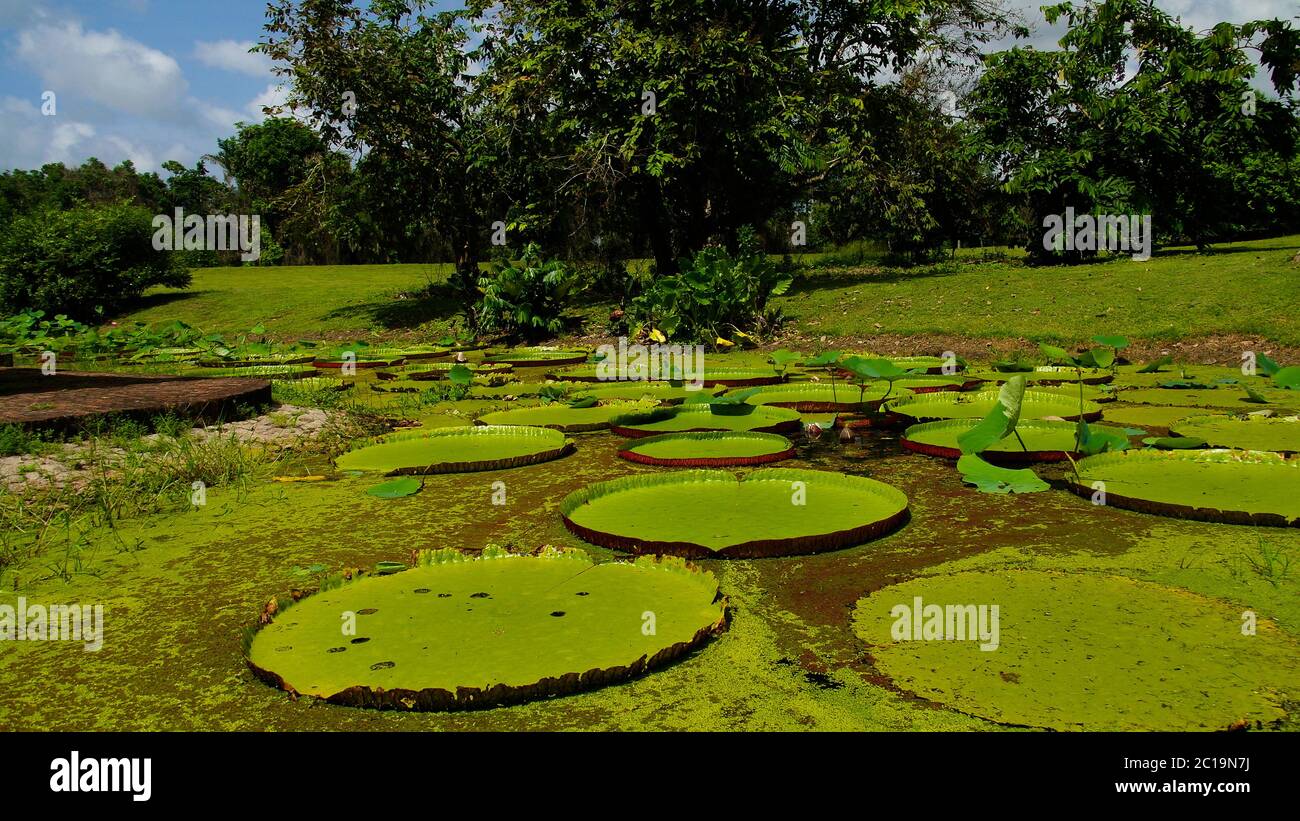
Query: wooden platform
[{"x": 70, "y": 397}]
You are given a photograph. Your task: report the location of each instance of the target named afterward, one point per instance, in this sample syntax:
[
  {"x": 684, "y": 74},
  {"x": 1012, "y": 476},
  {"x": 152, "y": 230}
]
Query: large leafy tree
[
  {"x": 1136, "y": 113},
  {"x": 754, "y": 105},
  {"x": 389, "y": 84}
]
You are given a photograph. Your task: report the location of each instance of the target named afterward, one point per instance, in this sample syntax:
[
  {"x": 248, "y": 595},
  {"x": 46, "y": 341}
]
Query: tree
[
  {"x": 701, "y": 116},
  {"x": 1135, "y": 114}
]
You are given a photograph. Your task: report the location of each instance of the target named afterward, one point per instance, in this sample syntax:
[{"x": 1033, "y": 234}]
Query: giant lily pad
[
  {"x": 457, "y": 450},
  {"x": 922, "y": 364},
  {"x": 949, "y": 405},
  {"x": 535, "y": 357},
  {"x": 565, "y": 417},
  {"x": 534, "y": 626},
  {"x": 1225, "y": 397},
  {"x": 1148, "y": 416},
  {"x": 740, "y": 377},
  {"x": 708, "y": 449},
  {"x": 821, "y": 397},
  {"x": 659, "y": 391},
  {"x": 698, "y": 417},
  {"x": 932, "y": 384},
  {"x": 1280, "y": 435},
  {"x": 1237, "y": 487},
  {"x": 1078, "y": 652},
  {"x": 1044, "y": 441},
  {"x": 440, "y": 370},
  {"x": 257, "y": 371},
  {"x": 769, "y": 512}
]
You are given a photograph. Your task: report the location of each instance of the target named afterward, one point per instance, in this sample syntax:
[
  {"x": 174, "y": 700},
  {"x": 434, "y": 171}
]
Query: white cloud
[
  {"x": 105, "y": 67},
  {"x": 233, "y": 55},
  {"x": 273, "y": 96}
]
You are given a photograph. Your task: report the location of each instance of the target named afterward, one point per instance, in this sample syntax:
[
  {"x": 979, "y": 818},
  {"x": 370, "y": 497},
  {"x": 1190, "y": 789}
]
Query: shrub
[
  {"x": 528, "y": 299},
  {"x": 82, "y": 261},
  {"x": 715, "y": 294}
]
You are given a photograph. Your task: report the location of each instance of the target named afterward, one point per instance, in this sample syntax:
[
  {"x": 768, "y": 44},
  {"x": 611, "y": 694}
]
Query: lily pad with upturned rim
[
  {"x": 1230, "y": 486},
  {"x": 1279, "y": 435},
  {"x": 564, "y": 417},
  {"x": 697, "y": 417},
  {"x": 949, "y": 405},
  {"x": 708, "y": 449},
  {"x": 1081, "y": 652},
  {"x": 539, "y": 625},
  {"x": 1046, "y": 441},
  {"x": 713, "y": 513},
  {"x": 819, "y": 397},
  {"x": 457, "y": 450},
  {"x": 533, "y": 358}
]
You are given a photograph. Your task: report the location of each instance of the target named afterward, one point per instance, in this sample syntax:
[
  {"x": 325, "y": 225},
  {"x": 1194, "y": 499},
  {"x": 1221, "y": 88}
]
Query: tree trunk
[{"x": 661, "y": 244}]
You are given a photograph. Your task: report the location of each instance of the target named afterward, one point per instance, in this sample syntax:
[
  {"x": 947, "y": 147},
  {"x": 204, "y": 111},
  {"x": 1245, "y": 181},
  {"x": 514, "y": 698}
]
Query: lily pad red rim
[
  {"x": 900, "y": 412},
  {"x": 1180, "y": 511},
  {"x": 754, "y": 549},
  {"x": 438, "y": 699},
  {"x": 997, "y": 457},
  {"x": 360, "y": 364},
  {"x": 518, "y": 361},
  {"x": 623, "y": 426},
  {"x": 563, "y": 448},
  {"x": 630, "y": 454}
]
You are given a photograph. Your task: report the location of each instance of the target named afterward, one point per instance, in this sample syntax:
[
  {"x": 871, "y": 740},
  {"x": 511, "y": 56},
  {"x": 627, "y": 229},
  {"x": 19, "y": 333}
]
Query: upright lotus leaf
[
  {"x": 1000, "y": 422},
  {"x": 1266, "y": 366},
  {"x": 783, "y": 359},
  {"x": 1055, "y": 355},
  {"x": 1155, "y": 365},
  {"x": 868, "y": 370},
  {"x": 460, "y": 375},
  {"x": 1115, "y": 341},
  {"x": 1255, "y": 396},
  {"x": 1094, "y": 439},
  {"x": 397, "y": 488},
  {"x": 1288, "y": 378},
  {"x": 825, "y": 359},
  {"x": 992, "y": 479},
  {"x": 1096, "y": 358}
]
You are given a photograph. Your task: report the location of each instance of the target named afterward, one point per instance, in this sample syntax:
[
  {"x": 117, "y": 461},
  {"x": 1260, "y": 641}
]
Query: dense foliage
[
  {"x": 83, "y": 262},
  {"x": 606, "y": 132}
]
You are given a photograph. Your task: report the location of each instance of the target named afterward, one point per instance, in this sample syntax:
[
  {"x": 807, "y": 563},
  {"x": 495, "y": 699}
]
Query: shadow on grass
[{"x": 435, "y": 302}]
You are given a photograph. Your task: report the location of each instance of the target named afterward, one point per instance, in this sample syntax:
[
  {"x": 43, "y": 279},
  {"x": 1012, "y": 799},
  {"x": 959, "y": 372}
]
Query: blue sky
[{"x": 152, "y": 80}]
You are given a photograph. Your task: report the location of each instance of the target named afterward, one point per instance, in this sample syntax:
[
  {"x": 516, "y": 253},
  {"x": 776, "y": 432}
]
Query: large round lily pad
[
  {"x": 1080, "y": 652},
  {"x": 1237, "y": 487},
  {"x": 1148, "y": 416},
  {"x": 701, "y": 417},
  {"x": 535, "y": 357},
  {"x": 1280, "y": 435},
  {"x": 740, "y": 377},
  {"x": 1043, "y": 441},
  {"x": 455, "y": 632},
  {"x": 457, "y": 450},
  {"x": 708, "y": 449},
  {"x": 949, "y": 405},
  {"x": 658, "y": 391},
  {"x": 712, "y": 513},
  {"x": 1227, "y": 396},
  {"x": 560, "y": 416},
  {"x": 822, "y": 397},
  {"x": 440, "y": 370}
]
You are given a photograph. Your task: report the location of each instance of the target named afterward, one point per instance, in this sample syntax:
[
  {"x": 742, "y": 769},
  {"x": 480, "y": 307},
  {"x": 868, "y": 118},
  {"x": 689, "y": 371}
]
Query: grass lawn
[
  {"x": 1248, "y": 288},
  {"x": 295, "y": 301}
]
